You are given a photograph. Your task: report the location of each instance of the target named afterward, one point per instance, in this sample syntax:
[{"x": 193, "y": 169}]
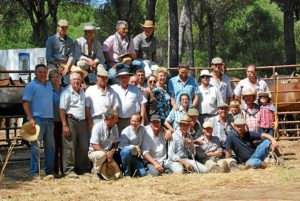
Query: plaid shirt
[
  {"x": 175, "y": 116},
  {"x": 267, "y": 115},
  {"x": 252, "y": 118}
]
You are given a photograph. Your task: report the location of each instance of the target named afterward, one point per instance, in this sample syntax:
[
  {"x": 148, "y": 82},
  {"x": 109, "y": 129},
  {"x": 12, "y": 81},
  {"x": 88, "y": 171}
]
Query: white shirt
[
  {"x": 260, "y": 85},
  {"x": 73, "y": 103},
  {"x": 128, "y": 99},
  {"x": 209, "y": 99},
  {"x": 155, "y": 146},
  {"x": 99, "y": 102}
]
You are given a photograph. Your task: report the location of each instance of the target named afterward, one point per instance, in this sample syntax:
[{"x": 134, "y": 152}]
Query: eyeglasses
[{"x": 152, "y": 81}]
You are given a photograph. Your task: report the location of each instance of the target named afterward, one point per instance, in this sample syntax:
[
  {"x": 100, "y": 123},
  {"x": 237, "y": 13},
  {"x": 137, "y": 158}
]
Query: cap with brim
[
  {"x": 30, "y": 133},
  {"x": 185, "y": 120},
  {"x": 148, "y": 24},
  {"x": 248, "y": 91},
  {"x": 154, "y": 118},
  {"x": 193, "y": 112},
  {"x": 90, "y": 27},
  {"x": 79, "y": 70},
  {"x": 125, "y": 58},
  {"x": 84, "y": 65},
  {"x": 63, "y": 23},
  {"x": 207, "y": 124},
  {"x": 123, "y": 71},
  {"x": 101, "y": 71},
  {"x": 205, "y": 73},
  {"x": 222, "y": 105},
  {"x": 109, "y": 114},
  {"x": 217, "y": 60},
  {"x": 262, "y": 93},
  {"x": 110, "y": 171},
  {"x": 239, "y": 121}
]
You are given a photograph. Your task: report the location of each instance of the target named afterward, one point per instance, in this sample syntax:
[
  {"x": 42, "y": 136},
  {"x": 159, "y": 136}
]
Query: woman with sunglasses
[
  {"x": 151, "y": 100},
  {"x": 209, "y": 98}
]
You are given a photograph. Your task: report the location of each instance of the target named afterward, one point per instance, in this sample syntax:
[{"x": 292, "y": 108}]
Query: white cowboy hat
[
  {"x": 79, "y": 70},
  {"x": 30, "y": 133},
  {"x": 110, "y": 171}
]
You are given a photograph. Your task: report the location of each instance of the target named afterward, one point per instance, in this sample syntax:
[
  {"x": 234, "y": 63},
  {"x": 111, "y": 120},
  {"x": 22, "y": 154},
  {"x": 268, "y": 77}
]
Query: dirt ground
[{"x": 273, "y": 183}]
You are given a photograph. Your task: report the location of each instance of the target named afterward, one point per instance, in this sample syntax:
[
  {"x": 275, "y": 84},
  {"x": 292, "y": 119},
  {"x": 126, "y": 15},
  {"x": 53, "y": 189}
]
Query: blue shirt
[
  {"x": 176, "y": 88},
  {"x": 175, "y": 116},
  {"x": 224, "y": 86},
  {"x": 59, "y": 49},
  {"x": 40, "y": 98},
  {"x": 242, "y": 147}
]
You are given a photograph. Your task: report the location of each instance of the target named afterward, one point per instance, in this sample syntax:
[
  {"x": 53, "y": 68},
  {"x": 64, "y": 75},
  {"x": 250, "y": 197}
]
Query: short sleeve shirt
[
  {"x": 129, "y": 137},
  {"x": 224, "y": 87},
  {"x": 144, "y": 46},
  {"x": 261, "y": 85}
]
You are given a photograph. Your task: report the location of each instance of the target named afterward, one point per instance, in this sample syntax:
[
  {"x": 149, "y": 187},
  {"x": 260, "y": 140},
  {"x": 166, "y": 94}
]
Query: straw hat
[
  {"x": 148, "y": 24},
  {"x": 79, "y": 70},
  {"x": 207, "y": 124},
  {"x": 262, "y": 94},
  {"x": 246, "y": 91},
  {"x": 63, "y": 23},
  {"x": 185, "y": 120},
  {"x": 30, "y": 133},
  {"x": 193, "y": 112},
  {"x": 205, "y": 73},
  {"x": 110, "y": 171},
  {"x": 125, "y": 58},
  {"x": 90, "y": 27},
  {"x": 101, "y": 71},
  {"x": 217, "y": 60}
]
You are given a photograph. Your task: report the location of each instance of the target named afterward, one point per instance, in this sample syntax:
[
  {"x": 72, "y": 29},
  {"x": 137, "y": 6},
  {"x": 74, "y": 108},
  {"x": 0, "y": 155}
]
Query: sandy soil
[{"x": 273, "y": 183}]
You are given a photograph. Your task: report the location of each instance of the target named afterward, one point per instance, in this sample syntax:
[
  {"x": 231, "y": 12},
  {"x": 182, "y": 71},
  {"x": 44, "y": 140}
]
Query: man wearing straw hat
[
  {"x": 75, "y": 135},
  {"x": 88, "y": 51},
  {"x": 145, "y": 47},
  {"x": 37, "y": 103},
  {"x": 104, "y": 141},
  {"x": 60, "y": 49}
]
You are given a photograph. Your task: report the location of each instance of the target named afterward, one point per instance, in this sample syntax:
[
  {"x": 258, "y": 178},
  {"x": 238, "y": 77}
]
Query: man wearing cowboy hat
[
  {"x": 130, "y": 98},
  {"x": 145, "y": 46},
  {"x": 220, "y": 80},
  {"x": 104, "y": 141},
  {"x": 38, "y": 107},
  {"x": 154, "y": 146},
  {"x": 60, "y": 49},
  {"x": 75, "y": 134},
  {"x": 181, "y": 149},
  {"x": 99, "y": 98},
  {"x": 88, "y": 51},
  {"x": 118, "y": 49}
]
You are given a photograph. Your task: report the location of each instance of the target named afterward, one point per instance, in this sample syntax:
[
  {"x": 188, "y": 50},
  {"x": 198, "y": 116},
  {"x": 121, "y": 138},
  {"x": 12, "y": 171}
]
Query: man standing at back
[
  {"x": 37, "y": 103},
  {"x": 183, "y": 83},
  {"x": 220, "y": 80},
  {"x": 145, "y": 46},
  {"x": 60, "y": 49}
]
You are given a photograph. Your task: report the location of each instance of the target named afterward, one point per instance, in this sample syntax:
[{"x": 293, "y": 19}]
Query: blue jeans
[
  {"x": 270, "y": 131},
  {"x": 46, "y": 135},
  {"x": 260, "y": 154},
  {"x": 131, "y": 68},
  {"x": 132, "y": 163}
]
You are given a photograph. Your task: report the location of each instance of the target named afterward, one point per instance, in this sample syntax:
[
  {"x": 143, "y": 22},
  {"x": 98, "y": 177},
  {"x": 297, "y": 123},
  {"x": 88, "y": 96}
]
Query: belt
[
  {"x": 71, "y": 116},
  {"x": 124, "y": 118}
]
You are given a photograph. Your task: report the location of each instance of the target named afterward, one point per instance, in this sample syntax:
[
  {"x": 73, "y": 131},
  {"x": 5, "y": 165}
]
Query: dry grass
[{"x": 274, "y": 183}]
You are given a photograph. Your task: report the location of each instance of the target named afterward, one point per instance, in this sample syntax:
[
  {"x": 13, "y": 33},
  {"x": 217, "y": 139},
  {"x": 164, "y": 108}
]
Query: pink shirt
[
  {"x": 110, "y": 45},
  {"x": 266, "y": 115}
]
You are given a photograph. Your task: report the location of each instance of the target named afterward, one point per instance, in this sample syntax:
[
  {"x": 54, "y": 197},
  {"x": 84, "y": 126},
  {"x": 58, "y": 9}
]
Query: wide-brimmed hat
[
  {"x": 207, "y": 124},
  {"x": 217, "y": 60},
  {"x": 263, "y": 93},
  {"x": 77, "y": 69},
  {"x": 30, "y": 133},
  {"x": 90, "y": 27},
  {"x": 125, "y": 58},
  {"x": 110, "y": 171},
  {"x": 205, "y": 73},
  {"x": 63, "y": 23},
  {"x": 248, "y": 91},
  {"x": 123, "y": 71},
  {"x": 185, "y": 119},
  {"x": 193, "y": 112},
  {"x": 101, "y": 71},
  {"x": 148, "y": 24}
]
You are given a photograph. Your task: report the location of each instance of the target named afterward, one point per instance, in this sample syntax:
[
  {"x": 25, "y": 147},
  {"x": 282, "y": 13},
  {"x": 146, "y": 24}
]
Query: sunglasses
[{"x": 152, "y": 81}]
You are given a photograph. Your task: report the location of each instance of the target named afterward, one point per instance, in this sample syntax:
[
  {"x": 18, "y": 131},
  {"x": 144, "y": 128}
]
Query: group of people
[{"x": 144, "y": 122}]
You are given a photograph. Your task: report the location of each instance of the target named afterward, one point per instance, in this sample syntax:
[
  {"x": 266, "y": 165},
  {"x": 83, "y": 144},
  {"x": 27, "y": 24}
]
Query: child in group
[
  {"x": 267, "y": 113},
  {"x": 234, "y": 110}
]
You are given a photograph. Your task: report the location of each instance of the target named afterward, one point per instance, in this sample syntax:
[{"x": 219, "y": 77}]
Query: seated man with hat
[
  {"x": 154, "y": 147},
  {"x": 210, "y": 153},
  {"x": 88, "y": 51},
  {"x": 242, "y": 143},
  {"x": 104, "y": 141},
  {"x": 181, "y": 150},
  {"x": 145, "y": 46},
  {"x": 118, "y": 50},
  {"x": 60, "y": 49}
]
